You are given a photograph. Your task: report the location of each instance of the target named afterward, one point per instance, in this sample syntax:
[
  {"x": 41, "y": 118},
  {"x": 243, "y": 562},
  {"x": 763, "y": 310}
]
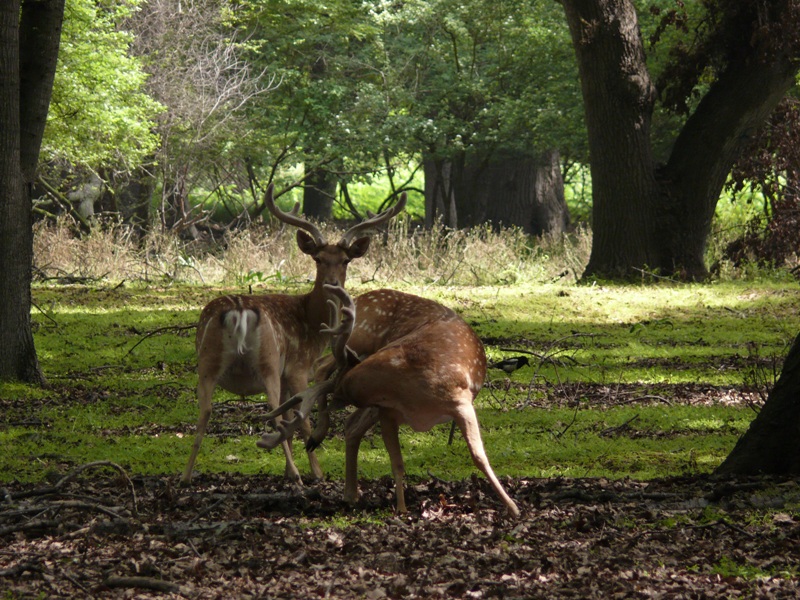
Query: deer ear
[
  {"x": 351, "y": 357},
  {"x": 306, "y": 243},
  {"x": 358, "y": 248}
]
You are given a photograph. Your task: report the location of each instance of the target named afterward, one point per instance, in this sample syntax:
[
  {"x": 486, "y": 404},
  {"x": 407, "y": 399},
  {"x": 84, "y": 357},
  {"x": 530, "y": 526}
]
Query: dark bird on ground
[{"x": 509, "y": 365}]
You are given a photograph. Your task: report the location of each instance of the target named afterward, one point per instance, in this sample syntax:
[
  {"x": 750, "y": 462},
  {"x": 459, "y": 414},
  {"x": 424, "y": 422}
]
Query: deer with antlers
[
  {"x": 402, "y": 360},
  {"x": 250, "y": 344}
]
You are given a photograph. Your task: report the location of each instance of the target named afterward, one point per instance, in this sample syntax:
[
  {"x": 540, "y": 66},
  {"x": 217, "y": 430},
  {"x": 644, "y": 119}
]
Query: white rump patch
[{"x": 241, "y": 326}]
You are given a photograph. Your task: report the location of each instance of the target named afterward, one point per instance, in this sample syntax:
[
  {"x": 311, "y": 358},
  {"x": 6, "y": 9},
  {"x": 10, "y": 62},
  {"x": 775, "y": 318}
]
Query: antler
[
  {"x": 286, "y": 428},
  {"x": 373, "y": 222},
  {"x": 341, "y": 329},
  {"x": 292, "y": 218},
  {"x": 343, "y": 326}
]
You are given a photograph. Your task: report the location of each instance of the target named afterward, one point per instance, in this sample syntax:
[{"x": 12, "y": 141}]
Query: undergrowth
[{"x": 265, "y": 255}]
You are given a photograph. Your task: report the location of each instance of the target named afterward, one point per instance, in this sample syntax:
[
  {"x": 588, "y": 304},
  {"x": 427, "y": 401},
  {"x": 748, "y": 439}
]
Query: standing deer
[
  {"x": 403, "y": 360},
  {"x": 253, "y": 344}
]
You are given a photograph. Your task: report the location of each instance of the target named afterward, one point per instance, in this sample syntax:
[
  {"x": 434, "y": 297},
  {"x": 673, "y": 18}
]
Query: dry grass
[{"x": 261, "y": 254}]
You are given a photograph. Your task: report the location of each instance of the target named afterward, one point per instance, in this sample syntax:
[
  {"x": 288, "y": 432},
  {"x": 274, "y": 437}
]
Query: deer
[
  {"x": 251, "y": 344},
  {"x": 403, "y": 360}
]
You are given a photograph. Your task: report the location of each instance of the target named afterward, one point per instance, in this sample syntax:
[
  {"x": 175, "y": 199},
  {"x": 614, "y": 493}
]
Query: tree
[
  {"x": 506, "y": 189},
  {"x": 772, "y": 443},
  {"x": 489, "y": 95},
  {"x": 29, "y": 41},
  {"x": 742, "y": 62}
]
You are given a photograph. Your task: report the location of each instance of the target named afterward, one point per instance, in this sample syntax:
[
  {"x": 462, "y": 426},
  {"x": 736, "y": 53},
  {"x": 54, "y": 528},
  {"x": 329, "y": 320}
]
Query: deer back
[{"x": 422, "y": 359}]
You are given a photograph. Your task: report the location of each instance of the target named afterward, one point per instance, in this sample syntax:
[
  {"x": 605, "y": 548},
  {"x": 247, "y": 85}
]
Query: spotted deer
[
  {"x": 402, "y": 360},
  {"x": 250, "y": 344}
]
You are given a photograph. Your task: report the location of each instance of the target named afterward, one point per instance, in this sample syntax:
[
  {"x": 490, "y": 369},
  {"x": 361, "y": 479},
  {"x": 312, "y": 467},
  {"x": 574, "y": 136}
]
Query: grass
[
  {"x": 624, "y": 381},
  {"x": 635, "y": 381}
]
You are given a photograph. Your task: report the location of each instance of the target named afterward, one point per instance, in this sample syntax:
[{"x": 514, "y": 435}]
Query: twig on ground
[{"x": 158, "y": 331}]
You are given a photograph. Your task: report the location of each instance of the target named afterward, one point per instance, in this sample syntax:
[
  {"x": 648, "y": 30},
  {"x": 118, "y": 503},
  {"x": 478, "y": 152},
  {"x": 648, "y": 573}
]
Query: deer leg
[
  {"x": 355, "y": 428},
  {"x": 205, "y": 391},
  {"x": 389, "y": 432},
  {"x": 313, "y": 461},
  {"x": 467, "y": 421},
  {"x": 295, "y": 387},
  {"x": 273, "y": 387}
]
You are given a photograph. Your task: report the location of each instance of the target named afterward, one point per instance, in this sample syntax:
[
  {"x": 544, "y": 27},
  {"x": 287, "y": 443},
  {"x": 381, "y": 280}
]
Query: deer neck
[{"x": 317, "y": 307}]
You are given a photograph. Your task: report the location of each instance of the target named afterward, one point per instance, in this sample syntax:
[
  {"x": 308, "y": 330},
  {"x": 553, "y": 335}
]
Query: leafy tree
[
  {"x": 99, "y": 114},
  {"x": 197, "y": 72},
  {"x": 29, "y": 41},
  {"x": 329, "y": 112},
  {"x": 488, "y": 86},
  {"x": 771, "y": 166},
  {"x": 725, "y": 81}
]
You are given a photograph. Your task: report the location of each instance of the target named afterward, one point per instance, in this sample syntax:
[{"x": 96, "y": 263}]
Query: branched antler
[
  {"x": 373, "y": 222},
  {"x": 343, "y": 320}
]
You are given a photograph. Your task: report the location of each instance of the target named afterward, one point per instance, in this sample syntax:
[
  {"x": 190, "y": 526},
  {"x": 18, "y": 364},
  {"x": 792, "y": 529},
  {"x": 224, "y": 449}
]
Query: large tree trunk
[
  {"x": 521, "y": 191},
  {"x": 644, "y": 219},
  {"x": 772, "y": 443},
  {"x": 618, "y": 98},
  {"x": 440, "y": 202},
  {"x": 29, "y": 40},
  {"x": 507, "y": 190},
  {"x": 319, "y": 192},
  {"x": 704, "y": 153}
]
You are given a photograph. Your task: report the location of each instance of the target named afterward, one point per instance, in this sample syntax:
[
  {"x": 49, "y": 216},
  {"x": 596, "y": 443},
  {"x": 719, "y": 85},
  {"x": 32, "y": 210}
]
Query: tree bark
[
  {"x": 525, "y": 192},
  {"x": 319, "y": 192},
  {"x": 650, "y": 219},
  {"x": 29, "y": 41},
  {"x": 618, "y": 99},
  {"x": 772, "y": 443},
  {"x": 439, "y": 194},
  {"x": 507, "y": 190}
]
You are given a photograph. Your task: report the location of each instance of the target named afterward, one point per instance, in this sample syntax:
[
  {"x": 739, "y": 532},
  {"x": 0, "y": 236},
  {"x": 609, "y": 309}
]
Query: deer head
[{"x": 331, "y": 259}]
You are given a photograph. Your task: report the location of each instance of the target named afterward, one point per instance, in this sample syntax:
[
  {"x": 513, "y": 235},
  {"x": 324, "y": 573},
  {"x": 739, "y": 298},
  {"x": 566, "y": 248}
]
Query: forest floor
[
  {"x": 97, "y": 530},
  {"x": 98, "y": 533}
]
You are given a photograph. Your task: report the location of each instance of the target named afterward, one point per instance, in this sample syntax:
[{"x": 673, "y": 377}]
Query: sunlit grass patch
[{"x": 623, "y": 381}]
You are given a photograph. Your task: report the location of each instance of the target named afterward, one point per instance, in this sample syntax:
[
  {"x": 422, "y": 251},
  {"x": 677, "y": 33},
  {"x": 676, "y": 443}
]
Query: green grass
[{"x": 122, "y": 386}]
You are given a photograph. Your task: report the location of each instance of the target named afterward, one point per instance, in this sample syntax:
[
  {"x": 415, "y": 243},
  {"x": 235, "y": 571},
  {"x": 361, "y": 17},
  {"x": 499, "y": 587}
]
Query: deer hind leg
[
  {"x": 467, "y": 421},
  {"x": 273, "y": 386},
  {"x": 355, "y": 429},
  {"x": 205, "y": 390},
  {"x": 313, "y": 461},
  {"x": 296, "y": 386},
  {"x": 389, "y": 432}
]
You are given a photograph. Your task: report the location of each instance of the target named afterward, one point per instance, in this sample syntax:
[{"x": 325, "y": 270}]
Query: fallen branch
[
  {"x": 147, "y": 583},
  {"x": 158, "y": 331}
]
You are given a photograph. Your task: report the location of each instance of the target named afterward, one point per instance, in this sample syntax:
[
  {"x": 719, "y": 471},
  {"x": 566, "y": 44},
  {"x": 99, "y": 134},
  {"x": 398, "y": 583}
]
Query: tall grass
[{"x": 260, "y": 254}]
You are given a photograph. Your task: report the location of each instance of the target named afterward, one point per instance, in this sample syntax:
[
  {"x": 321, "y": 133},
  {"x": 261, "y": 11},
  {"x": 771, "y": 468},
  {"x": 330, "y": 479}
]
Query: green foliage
[{"x": 99, "y": 114}]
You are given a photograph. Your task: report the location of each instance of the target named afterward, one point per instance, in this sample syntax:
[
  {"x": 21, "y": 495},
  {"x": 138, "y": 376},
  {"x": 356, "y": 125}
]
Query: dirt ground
[{"x": 98, "y": 533}]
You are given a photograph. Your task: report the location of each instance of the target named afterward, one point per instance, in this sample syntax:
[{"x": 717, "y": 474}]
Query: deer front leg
[
  {"x": 273, "y": 387},
  {"x": 355, "y": 428},
  {"x": 390, "y": 433}
]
